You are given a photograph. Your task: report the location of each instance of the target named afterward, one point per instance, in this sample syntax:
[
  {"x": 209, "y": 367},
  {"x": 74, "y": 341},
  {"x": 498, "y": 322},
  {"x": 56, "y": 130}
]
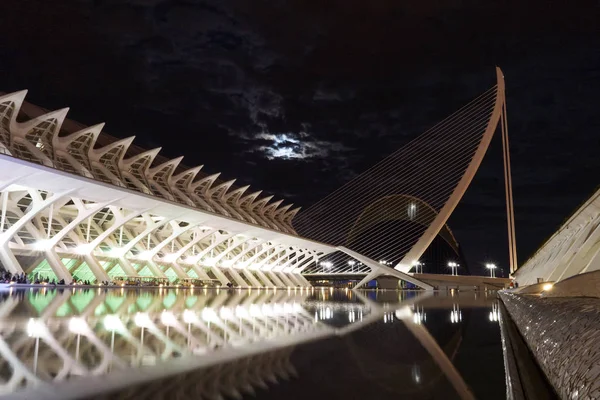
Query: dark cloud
[{"x": 292, "y": 146}]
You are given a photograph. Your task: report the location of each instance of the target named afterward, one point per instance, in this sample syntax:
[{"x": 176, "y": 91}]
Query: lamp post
[
  {"x": 454, "y": 266},
  {"x": 492, "y": 268},
  {"x": 418, "y": 267},
  {"x": 325, "y": 265},
  {"x": 352, "y": 263}
]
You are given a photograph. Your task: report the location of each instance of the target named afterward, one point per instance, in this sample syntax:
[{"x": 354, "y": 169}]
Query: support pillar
[
  {"x": 57, "y": 266},
  {"x": 264, "y": 279},
  {"x": 96, "y": 268},
  {"x": 220, "y": 275},
  {"x": 248, "y": 274}
]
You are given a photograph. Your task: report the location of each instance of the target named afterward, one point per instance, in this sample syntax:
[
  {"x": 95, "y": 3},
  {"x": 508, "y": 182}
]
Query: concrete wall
[{"x": 564, "y": 336}]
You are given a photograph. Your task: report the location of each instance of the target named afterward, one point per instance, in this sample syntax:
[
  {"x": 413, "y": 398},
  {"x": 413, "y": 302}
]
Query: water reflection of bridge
[{"x": 436, "y": 281}]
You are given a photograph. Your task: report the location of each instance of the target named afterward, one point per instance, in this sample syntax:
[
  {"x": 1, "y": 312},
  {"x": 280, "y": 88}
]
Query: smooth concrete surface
[
  {"x": 564, "y": 336},
  {"x": 463, "y": 282},
  {"x": 582, "y": 285}
]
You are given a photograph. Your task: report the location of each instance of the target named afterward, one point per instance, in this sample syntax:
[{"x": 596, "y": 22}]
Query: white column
[{"x": 6, "y": 255}]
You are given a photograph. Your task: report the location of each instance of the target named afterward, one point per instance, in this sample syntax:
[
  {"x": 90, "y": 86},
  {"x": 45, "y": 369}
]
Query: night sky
[{"x": 296, "y": 97}]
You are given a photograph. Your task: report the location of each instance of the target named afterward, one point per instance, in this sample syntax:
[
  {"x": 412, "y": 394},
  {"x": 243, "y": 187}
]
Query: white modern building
[
  {"x": 79, "y": 204},
  {"x": 573, "y": 249}
]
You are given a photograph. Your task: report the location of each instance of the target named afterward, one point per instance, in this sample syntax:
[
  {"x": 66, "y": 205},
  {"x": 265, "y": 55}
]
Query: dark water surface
[{"x": 283, "y": 344}]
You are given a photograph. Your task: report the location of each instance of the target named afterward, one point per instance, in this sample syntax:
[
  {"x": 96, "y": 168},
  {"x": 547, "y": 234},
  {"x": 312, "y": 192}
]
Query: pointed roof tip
[
  {"x": 225, "y": 185},
  {"x": 59, "y": 114},
  {"x": 129, "y": 139},
  {"x": 95, "y": 129},
  {"x": 152, "y": 153},
  {"x": 282, "y": 210},
  {"x": 175, "y": 160},
  {"x": 195, "y": 169},
  {"x": 252, "y": 195},
  {"x": 98, "y": 126},
  {"x": 212, "y": 177},
  {"x": 205, "y": 179},
  {"x": 121, "y": 142},
  {"x": 19, "y": 96},
  {"x": 269, "y": 197}
]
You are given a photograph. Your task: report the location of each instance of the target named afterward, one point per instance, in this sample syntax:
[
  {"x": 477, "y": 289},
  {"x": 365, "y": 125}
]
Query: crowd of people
[
  {"x": 7, "y": 277},
  {"x": 36, "y": 279}
]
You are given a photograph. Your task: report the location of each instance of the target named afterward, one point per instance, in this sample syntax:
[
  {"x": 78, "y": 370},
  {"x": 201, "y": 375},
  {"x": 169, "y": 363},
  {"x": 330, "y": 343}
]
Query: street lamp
[
  {"x": 454, "y": 266},
  {"x": 352, "y": 263},
  {"x": 492, "y": 268},
  {"x": 325, "y": 265},
  {"x": 418, "y": 267}
]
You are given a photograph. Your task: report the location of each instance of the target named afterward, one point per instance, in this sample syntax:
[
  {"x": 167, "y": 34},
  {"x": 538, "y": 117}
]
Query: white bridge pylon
[{"x": 395, "y": 209}]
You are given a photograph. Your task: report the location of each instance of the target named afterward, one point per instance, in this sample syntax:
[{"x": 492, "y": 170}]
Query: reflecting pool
[{"x": 266, "y": 344}]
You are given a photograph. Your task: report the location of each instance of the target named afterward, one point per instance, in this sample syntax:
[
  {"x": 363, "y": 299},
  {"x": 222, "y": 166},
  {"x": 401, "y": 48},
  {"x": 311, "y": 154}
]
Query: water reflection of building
[
  {"x": 455, "y": 314},
  {"x": 386, "y": 357},
  {"x": 337, "y": 313},
  {"x": 419, "y": 315},
  {"x": 416, "y": 373},
  {"x": 49, "y": 336},
  {"x": 495, "y": 313},
  {"x": 91, "y": 333}
]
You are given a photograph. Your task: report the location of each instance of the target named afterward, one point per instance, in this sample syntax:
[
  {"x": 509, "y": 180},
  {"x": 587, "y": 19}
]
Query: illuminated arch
[{"x": 399, "y": 207}]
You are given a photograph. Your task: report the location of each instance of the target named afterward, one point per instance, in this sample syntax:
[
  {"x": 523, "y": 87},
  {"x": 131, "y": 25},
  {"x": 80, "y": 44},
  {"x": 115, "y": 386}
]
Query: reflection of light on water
[
  {"x": 494, "y": 314},
  {"x": 419, "y": 315},
  {"x": 35, "y": 328},
  {"x": 388, "y": 317},
  {"x": 455, "y": 314},
  {"x": 351, "y": 316},
  {"x": 416, "y": 373},
  {"x": 323, "y": 314},
  {"x": 329, "y": 311}
]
